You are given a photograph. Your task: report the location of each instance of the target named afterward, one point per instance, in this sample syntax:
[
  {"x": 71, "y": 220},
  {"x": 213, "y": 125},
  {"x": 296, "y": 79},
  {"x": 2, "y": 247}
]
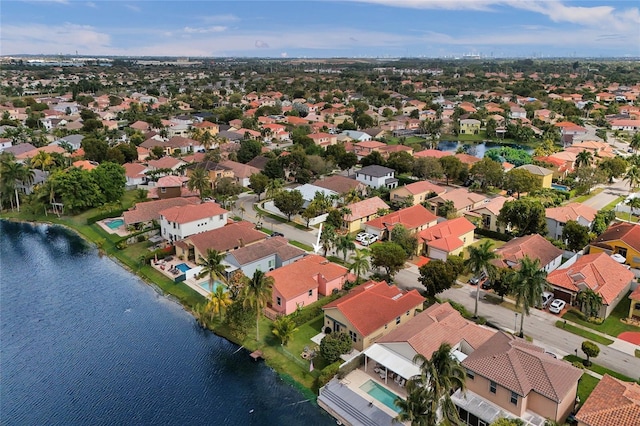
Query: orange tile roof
[
  {"x": 462, "y": 198},
  {"x": 571, "y": 211},
  {"x": 438, "y": 324},
  {"x": 467, "y": 159},
  {"x": 371, "y": 305},
  {"x": 150, "y": 210},
  {"x": 635, "y": 295},
  {"x": 523, "y": 367},
  {"x": 423, "y": 186},
  {"x": 533, "y": 246},
  {"x": 446, "y": 235},
  {"x": 134, "y": 170},
  {"x": 411, "y": 217},
  {"x": 597, "y": 271},
  {"x": 495, "y": 204},
  {"x": 628, "y": 233},
  {"x": 300, "y": 276},
  {"x": 227, "y": 238},
  {"x": 432, "y": 153},
  {"x": 364, "y": 208},
  {"x": 611, "y": 403},
  {"x": 190, "y": 213},
  {"x": 85, "y": 164}
]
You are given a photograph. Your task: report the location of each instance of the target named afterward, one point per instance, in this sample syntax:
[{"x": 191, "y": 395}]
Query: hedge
[
  {"x": 161, "y": 253},
  {"x": 106, "y": 215},
  {"x": 312, "y": 311},
  {"x": 492, "y": 234},
  {"x": 328, "y": 373}
]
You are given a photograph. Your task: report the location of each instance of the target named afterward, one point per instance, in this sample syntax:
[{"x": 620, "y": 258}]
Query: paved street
[{"x": 610, "y": 193}]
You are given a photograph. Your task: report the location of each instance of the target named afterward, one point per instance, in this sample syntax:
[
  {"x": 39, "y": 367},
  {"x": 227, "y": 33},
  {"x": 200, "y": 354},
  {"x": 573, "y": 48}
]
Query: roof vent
[{"x": 397, "y": 296}]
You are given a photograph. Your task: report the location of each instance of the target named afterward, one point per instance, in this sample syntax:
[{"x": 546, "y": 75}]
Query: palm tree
[
  {"x": 199, "y": 180},
  {"x": 327, "y": 238},
  {"x": 584, "y": 158},
  {"x": 633, "y": 176},
  {"x": 257, "y": 293},
  {"x": 344, "y": 243},
  {"x": 213, "y": 267},
  {"x": 353, "y": 196},
  {"x": 11, "y": 174},
  {"x": 590, "y": 302},
  {"x": 413, "y": 408},
  {"x": 360, "y": 264},
  {"x": 633, "y": 203},
  {"x": 274, "y": 186},
  {"x": 219, "y": 300},
  {"x": 42, "y": 160},
  {"x": 479, "y": 261},
  {"x": 283, "y": 329},
  {"x": 528, "y": 285}
]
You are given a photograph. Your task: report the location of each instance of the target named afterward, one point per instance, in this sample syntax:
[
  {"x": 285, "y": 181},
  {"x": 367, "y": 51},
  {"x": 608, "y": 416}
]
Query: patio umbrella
[{"x": 311, "y": 366}]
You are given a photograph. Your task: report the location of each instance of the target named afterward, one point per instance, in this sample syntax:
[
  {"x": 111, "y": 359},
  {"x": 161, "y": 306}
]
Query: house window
[
  {"x": 408, "y": 312},
  {"x": 514, "y": 398},
  {"x": 310, "y": 292},
  {"x": 278, "y": 301},
  {"x": 271, "y": 263},
  {"x": 385, "y": 326},
  {"x": 221, "y": 217},
  {"x": 397, "y": 320},
  {"x": 470, "y": 375},
  {"x": 353, "y": 336},
  {"x": 621, "y": 251},
  {"x": 163, "y": 190},
  {"x": 492, "y": 386}
]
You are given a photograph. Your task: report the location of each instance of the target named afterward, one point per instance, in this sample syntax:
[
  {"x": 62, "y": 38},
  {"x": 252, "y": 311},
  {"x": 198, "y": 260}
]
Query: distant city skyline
[{"x": 322, "y": 28}]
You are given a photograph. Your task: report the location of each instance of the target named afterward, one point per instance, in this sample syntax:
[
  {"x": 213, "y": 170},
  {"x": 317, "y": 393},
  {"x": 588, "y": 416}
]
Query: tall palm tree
[
  {"x": 256, "y": 295},
  {"x": 327, "y": 238},
  {"x": 199, "y": 180},
  {"x": 413, "y": 408},
  {"x": 528, "y": 285},
  {"x": 344, "y": 243},
  {"x": 590, "y": 302},
  {"x": 42, "y": 160},
  {"x": 633, "y": 176},
  {"x": 633, "y": 203},
  {"x": 479, "y": 261},
  {"x": 284, "y": 328},
  {"x": 13, "y": 173},
  {"x": 584, "y": 158},
  {"x": 359, "y": 264},
  {"x": 219, "y": 300},
  {"x": 212, "y": 267}
]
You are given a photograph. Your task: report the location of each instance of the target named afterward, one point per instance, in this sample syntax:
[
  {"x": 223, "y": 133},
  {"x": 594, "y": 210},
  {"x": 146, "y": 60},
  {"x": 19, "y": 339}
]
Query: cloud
[
  {"x": 65, "y": 38},
  {"x": 261, "y": 44},
  {"x": 219, "y": 18},
  {"x": 284, "y": 54},
  {"x": 133, "y": 8},
  {"x": 214, "y": 29}
]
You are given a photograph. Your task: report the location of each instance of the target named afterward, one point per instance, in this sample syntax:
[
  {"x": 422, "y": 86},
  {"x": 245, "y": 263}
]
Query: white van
[{"x": 546, "y": 299}]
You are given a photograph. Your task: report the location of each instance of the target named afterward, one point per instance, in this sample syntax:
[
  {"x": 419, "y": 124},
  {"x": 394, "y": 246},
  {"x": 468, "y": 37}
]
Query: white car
[
  {"x": 369, "y": 239},
  {"x": 557, "y": 306},
  {"x": 362, "y": 236}
]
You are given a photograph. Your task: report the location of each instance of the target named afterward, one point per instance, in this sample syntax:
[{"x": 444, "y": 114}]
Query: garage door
[{"x": 557, "y": 294}]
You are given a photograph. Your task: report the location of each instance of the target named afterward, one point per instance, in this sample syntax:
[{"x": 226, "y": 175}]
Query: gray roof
[
  {"x": 268, "y": 247},
  {"x": 232, "y": 136},
  {"x": 375, "y": 171},
  {"x": 20, "y": 148},
  {"x": 72, "y": 139}
]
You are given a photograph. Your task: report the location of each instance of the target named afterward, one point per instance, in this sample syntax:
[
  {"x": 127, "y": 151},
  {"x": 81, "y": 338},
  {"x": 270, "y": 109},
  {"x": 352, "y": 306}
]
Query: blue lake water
[
  {"x": 84, "y": 342},
  {"x": 477, "y": 149}
]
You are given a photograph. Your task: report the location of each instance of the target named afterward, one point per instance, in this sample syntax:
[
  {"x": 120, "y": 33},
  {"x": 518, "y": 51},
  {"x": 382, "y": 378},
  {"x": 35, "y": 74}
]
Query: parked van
[{"x": 546, "y": 299}]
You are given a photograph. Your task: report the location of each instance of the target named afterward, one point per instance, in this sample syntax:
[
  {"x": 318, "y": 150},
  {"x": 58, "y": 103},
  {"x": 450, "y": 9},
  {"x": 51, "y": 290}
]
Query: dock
[{"x": 256, "y": 355}]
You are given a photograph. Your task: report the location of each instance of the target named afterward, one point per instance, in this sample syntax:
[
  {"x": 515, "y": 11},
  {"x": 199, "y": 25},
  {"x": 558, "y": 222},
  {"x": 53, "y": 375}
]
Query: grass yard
[
  {"x": 614, "y": 203},
  {"x": 300, "y": 245},
  {"x": 612, "y": 325},
  {"x": 637, "y": 353},
  {"x": 600, "y": 369},
  {"x": 586, "y": 385},
  {"x": 583, "y": 333},
  {"x": 496, "y": 244}
]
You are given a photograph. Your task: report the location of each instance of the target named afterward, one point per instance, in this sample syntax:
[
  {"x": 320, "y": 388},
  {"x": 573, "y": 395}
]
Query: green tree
[
  {"x": 602, "y": 220},
  {"x": 487, "y": 172},
  {"x": 344, "y": 243},
  {"x": 219, "y": 301},
  {"x": 347, "y": 161},
  {"x": 576, "y": 235},
  {"x": 590, "y": 302},
  {"x": 451, "y": 167},
  {"x": 401, "y": 162},
  {"x": 335, "y": 344},
  {"x": 415, "y": 408},
  {"x": 436, "y": 276},
  {"x": 289, "y": 202},
  {"x": 389, "y": 256},
  {"x": 212, "y": 267},
  {"x": 42, "y": 160},
  {"x": 502, "y": 421},
  {"x": 456, "y": 263},
  {"x": 528, "y": 285},
  {"x": 375, "y": 158},
  {"x": 359, "y": 264},
  {"x": 274, "y": 170},
  {"x": 284, "y": 328},
  {"x": 11, "y": 174},
  {"x": 310, "y": 212},
  {"x": 256, "y": 295},
  {"x": 76, "y": 189},
  {"x": 111, "y": 179},
  {"x": 633, "y": 176},
  {"x": 526, "y": 215},
  {"x": 427, "y": 168},
  {"x": 405, "y": 239},
  {"x": 249, "y": 149},
  {"x": 479, "y": 261},
  {"x": 584, "y": 159},
  {"x": 521, "y": 180},
  {"x": 446, "y": 209},
  {"x": 633, "y": 203},
  {"x": 95, "y": 149},
  {"x": 591, "y": 350},
  {"x": 199, "y": 181},
  {"x": 587, "y": 177},
  {"x": 613, "y": 167}
]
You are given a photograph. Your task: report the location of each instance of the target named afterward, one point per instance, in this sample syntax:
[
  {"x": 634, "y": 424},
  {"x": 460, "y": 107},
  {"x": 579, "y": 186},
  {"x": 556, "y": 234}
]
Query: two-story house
[
  {"x": 620, "y": 238},
  {"x": 418, "y": 192},
  {"x": 177, "y": 223},
  {"x": 544, "y": 176},
  {"x": 361, "y": 212},
  {"x": 265, "y": 256},
  {"x": 463, "y": 200},
  {"x": 376, "y": 176},
  {"x": 446, "y": 238},
  {"x": 557, "y": 217},
  {"x": 414, "y": 219},
  {"x": 469, "y": 126},
  {"x": 486, "y": 215},
  {"x": 532, "y": 246},
  {"x": 323, "y": 139}
]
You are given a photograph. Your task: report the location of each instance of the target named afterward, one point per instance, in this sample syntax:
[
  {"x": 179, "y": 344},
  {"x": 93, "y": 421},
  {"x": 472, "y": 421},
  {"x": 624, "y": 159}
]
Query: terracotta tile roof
[
  {"x": 258, "y": 162},
  {"x": 165, "y": 163},
  {"x": 396, "y": 148},
  {"x": 150, "y": 210},
  {"x": 411, "y": 217},
  {"x": 597, "y": 271},
  {"x": 181, "y": 141},
  {"x": 534, "y": 246},
  {"x": 171, "y": 181},
  {"x": 635, "y": 295},
  {"x": 438, "y": 324},
  {"x": 571, "y": 211},
  {"x": 240, "y": 170},
  {"x": 467, "y": 159},
  {"x": 268, "y": 247},
  {"x": 628, "y": 233},
  {"x": 196, "y": 157},
  {"x": 611, "y": 403},
  {"x": 536, "y": 170},
  {"x": 302, "y": 275},
  {"x": 432, "y": 153},
  {"x": 446, "y": 235},
  {"x": 190, "y": 213},
  {"x": 424, "y": 186},
  {"x": 370, "y": 144},
  {"x": 364, "y": 208},
  {"x": 227, "y": 238},
  {"x": 371, "y": 305},
  {"x": 134, "y": 170},
  {"x": 140, "y": 125},
  {"x": 338, "y": 183},
  {"x": 523, "y": 367},
  {"x": 85, "y": 164},
  {"x": 495, "y": 204},
  {"x": 461, "y": 198}
]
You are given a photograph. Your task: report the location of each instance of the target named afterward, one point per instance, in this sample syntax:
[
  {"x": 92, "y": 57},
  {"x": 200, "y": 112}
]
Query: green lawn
[
  {"x": 586, "y": 385},
  {"x": 600, "y": 369},
  {"x": 612, "y": 325},
  {"x": 583, "y": 333},
  {"x": 496, "y": 244},
  {"x": 637, "y": 353},
  {"x": 614, "y": 203},
  {"x": 300, "y": 245},
  {"x": 585, "y": 197}
]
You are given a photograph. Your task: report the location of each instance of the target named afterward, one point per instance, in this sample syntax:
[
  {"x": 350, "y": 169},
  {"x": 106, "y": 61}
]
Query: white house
[
  {"x": 5, "y": 143},
  {"x": 376, "y": 176},
  {"x": 357, "y": 136},
  {"x": 135, "y": 174},
  {"x": 309, "y": 191},
  {"x": 265, "y": 256},
  {"x": 75, "y": 141},
  {"x": 557, "y": 217},
  {"x": 180, "y": 222}
]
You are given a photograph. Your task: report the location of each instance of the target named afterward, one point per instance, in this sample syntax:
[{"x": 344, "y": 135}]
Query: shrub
[
  {"x": 105, "y": 215},
  {"x": 460, "y": 308},
  {"x": 141, "y": 238},
  {"x": 335, "y": 344},
  {"x": 327, "y": 374},
  {"x": 596, "y": 320},
  {"x": 121, "y": 245},
  {"x": 306, "y": 314},
  {"x": 578, "y": 364}
]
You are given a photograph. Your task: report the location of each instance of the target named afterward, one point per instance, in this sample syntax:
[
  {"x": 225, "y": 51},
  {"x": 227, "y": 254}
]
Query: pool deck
[
  {"x": 163, "y": 267},
  {"x": 358, "y": 377},
  {"x": 121, "y": 231}
]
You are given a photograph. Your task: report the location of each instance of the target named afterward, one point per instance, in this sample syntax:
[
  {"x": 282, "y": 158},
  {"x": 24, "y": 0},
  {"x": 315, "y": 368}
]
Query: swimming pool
[
  {"x": 381, "y": 393},
  {"x": 183, "y": 267},
  {"x": 216, "y": 284},
  {"x": 115, "y": 223}
]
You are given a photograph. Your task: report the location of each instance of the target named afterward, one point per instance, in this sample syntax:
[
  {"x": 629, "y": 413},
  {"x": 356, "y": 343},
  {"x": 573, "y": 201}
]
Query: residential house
[
  {"x": 532, "y": 246},
  {"x": 543, "y": 175},
  {"x": 557, "y": 217},
  {"x": 323, "y": 139},
  {"x": 446, "y": 238},
  {"x": 207, "y": 126},
  {"x": 309, "y": 191},
  {"x": 5, "y": 143},
  {"x": 179, "y": 222},
  {"x": 433, "y": 153},
  {"x": 463, "y": 200},
  {"x": 612, "y": 402},
  {"x": 632, "y": 126},
  {"x": 341, "y": 184},
  {"x": 357, "y": 136},
  {"x": 376, "y": 176},
  {"x": 387, "y": 150},
  {"x": 172, "y": 186},
  {"x": 414, "y": 219},
  {"x": 417, "y": 192},
  {"x": 510, "y": 374},
  {"x": 241, "y": 172},
  {"x": 216, "y": 170},
  {"x": 364, "y": 148},
  {"x": 486, "y": 216},
  {"x": 265, "y": 256},
  {"x": 361, "y": 212},
  {"x": 374, "y": 132},
  {"x": 165, "y": 163},
  {"x": 144, "y": 213},
  {"x": 634, "y": 306},
  {"x": 621, "y": 238},
  {"x": 370, "y": 311},
  {"x": 598, "y": 272},
  {"x": 467, "y": 159},
  {"x": 225, "y": 239},
  {"x": 469, "y": 126},
  {"x": 599, "y": 150},
  {"x": 75, "y": 141},
  {"x": 299, "y": 283}
]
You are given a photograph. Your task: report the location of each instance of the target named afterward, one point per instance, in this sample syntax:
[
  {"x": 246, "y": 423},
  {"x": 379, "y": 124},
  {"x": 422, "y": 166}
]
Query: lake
[
  {"x": 477, "y": 149},
  {"x": 85, "y": 342}
]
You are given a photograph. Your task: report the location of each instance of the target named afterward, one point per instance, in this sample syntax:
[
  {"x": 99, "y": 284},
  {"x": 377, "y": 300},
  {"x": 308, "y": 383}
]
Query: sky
[{"x": 322, "y": 28}]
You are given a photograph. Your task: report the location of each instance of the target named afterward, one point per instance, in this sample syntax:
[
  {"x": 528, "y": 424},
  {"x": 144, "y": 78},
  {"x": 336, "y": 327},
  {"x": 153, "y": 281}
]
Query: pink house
[{"x": 299, "y": 283}]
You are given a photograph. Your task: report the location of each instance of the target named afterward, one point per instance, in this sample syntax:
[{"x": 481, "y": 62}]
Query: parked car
[
  {"x": 486, "y": 284},
  {"x": 557, "y": 306},
  {"x": 478, "y": 278},
  {"x": 361, "y": 236},
  {"x": 369, "y": 239},
  {"x": 546, "y": 299},
  {"x": 277, "y": 234}
]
